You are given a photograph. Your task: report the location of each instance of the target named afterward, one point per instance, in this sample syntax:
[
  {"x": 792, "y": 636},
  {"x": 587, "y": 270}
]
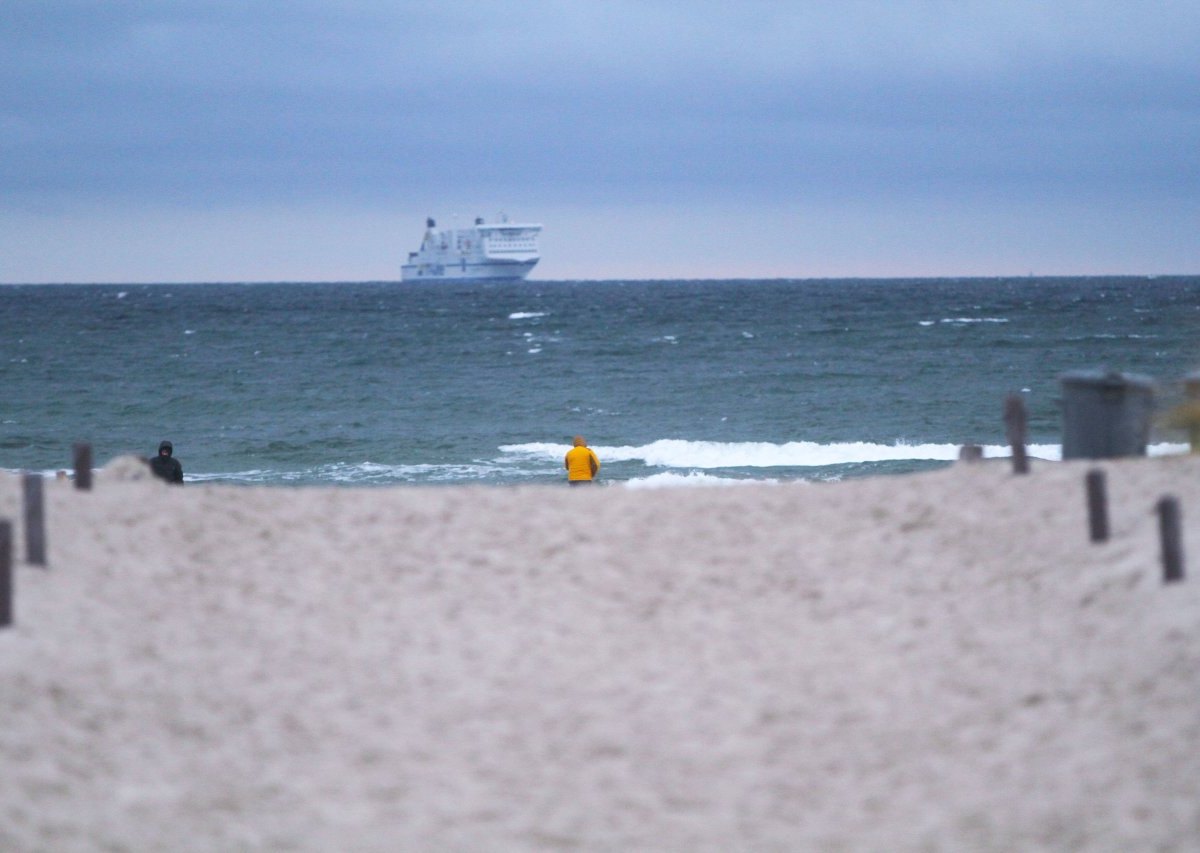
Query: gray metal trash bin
[{"x": 1106, "y": 414}]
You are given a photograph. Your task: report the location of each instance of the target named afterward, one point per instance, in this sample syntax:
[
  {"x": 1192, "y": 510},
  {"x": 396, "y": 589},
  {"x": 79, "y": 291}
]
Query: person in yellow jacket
[{"x": 581, "y": 463}]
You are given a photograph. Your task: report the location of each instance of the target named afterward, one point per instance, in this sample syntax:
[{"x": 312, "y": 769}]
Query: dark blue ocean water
[{"x": 671, "y": 381}]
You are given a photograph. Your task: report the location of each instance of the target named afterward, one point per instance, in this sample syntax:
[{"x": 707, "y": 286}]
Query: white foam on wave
[
  {"x": 679, "y": 453},
  {"x": 1167, "y": 449},
  {"x": 708, "y": 455},
  {"x": 963, "y": 321},
  {"x": 693, "y": 479},
  {"x": 526, "y": 315}
]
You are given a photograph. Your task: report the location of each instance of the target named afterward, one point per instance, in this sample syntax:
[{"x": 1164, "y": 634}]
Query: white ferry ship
[{"x": 501, "y": 251}]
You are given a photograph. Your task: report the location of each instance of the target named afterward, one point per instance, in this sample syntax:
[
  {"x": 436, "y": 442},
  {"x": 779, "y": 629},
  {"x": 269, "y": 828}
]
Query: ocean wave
[
  {"x": 680, "y": 463},
  {"x": 366, "y": 474},
  {"x": 693, "y": 479},
  {"x": 706, "y": 455}
]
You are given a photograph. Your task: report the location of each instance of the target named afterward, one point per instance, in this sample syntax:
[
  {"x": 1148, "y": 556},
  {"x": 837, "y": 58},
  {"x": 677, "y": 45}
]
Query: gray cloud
[{"x": 218, "y": 103}]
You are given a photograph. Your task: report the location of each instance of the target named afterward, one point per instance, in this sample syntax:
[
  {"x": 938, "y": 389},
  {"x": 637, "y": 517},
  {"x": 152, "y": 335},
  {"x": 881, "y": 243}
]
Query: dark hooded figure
[{"x": 165, "y": 465}]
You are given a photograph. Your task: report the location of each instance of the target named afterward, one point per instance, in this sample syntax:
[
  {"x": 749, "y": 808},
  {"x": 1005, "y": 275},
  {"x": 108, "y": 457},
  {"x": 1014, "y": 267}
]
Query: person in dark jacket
[{"x": 165, "y": 465}]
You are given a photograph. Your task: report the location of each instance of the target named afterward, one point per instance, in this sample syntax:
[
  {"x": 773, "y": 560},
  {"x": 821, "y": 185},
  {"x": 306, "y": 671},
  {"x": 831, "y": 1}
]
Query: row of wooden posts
[
  {"x": 35, "y": 542},
  {"x": 1170, "y": 525},
  {"x": 1168, "y": 508},
  {"x": 33, "y": 491}
]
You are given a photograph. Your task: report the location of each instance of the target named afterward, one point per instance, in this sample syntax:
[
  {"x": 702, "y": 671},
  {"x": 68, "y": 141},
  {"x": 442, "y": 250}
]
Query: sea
[{"x": 672, "y": 383}]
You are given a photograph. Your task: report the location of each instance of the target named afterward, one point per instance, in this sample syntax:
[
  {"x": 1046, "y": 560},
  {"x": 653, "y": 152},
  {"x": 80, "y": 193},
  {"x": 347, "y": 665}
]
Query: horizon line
[{"x": 616, "y": 280}]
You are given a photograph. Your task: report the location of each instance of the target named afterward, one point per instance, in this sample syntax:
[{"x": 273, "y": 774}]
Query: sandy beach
[{"x": 940, "y": 661}]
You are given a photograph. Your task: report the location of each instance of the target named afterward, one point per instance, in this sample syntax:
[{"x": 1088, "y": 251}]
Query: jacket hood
[{"x": 166, "y": 445}]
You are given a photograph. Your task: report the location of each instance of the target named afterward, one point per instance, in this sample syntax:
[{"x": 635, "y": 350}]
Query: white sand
[{"x": 935, "y": 662}]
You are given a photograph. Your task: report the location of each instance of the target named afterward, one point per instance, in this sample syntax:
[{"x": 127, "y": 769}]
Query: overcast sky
[{"x": 235, "y": 140}]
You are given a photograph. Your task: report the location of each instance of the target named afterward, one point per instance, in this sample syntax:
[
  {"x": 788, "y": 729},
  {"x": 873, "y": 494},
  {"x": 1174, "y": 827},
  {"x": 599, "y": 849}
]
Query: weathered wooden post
[
  {"x": 1191, "y": 413},
  {"x": 1172, "y": 538},
  {"x": 1097, "y": 504},
  {"x": 1015, "y": 420},
  {"x": 35, "y": 520},
  {"x": 83, "y": 465},
  {"x": 6, "y": 582}
]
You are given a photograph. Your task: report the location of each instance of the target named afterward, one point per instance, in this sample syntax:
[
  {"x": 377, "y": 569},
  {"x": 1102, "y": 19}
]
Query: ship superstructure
[{"x": 498, "y": 251}]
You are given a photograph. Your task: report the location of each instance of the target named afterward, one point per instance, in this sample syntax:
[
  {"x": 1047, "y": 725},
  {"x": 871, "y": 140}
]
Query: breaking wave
[{"x": 679, "y": 453}]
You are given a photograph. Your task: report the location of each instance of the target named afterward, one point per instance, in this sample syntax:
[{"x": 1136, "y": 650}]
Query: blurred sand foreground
[{"x": 933, "y": 662}]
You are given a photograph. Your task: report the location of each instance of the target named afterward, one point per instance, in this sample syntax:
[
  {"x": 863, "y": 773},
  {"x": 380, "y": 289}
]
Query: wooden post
[
  {"x": 1097, "y": 504},
  {"x": 6, "y": 582},
  {"x": 1015, "y": 420},
  {"x": 1172, "y": 538},
  {"x": 35, "y": 520},
  {"x": 970, "y": 453},
  {"x": 83, "y": 466}
]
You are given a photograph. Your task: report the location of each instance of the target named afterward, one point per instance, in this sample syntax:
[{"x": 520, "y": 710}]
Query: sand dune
[{"x": 933, "y": 662}]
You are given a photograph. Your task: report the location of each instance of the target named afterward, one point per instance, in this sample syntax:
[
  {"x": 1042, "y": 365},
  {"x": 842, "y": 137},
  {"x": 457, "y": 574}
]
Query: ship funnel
[
  {"x": 478, "y": 220},
  {"x": 429, "y": 223}
]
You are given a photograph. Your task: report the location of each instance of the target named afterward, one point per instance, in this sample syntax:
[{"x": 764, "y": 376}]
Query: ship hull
[{"x": 466, "y": 271}]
